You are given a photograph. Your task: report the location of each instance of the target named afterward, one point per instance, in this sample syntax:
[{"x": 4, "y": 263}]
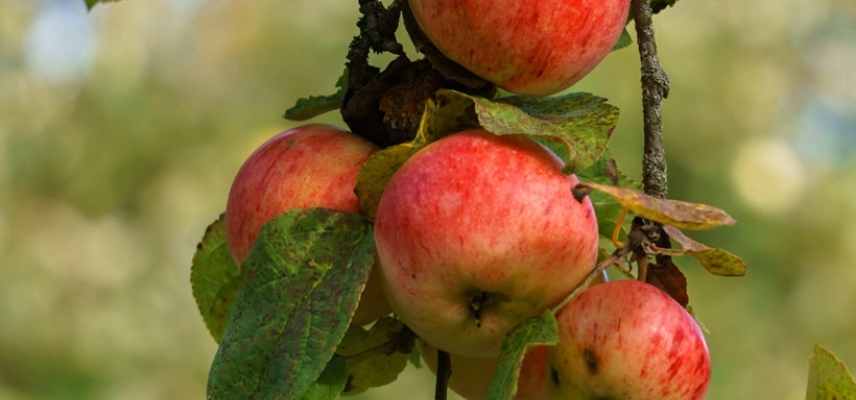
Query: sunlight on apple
[{"x": 769, "y": 176}]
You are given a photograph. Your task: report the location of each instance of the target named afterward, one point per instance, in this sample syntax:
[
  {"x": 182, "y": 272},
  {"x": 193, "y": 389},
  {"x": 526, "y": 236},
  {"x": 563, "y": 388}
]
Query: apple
[
  {"x": 629, "y": 340},
  {"x": 527, "y": 47},
  {"x": 471, "y": 376},
  {"x": 475, "y": 234},
  {"x": 313, "y": 166}
]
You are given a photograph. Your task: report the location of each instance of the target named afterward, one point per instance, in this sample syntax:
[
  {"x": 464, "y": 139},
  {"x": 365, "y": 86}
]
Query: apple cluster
[{"x": 476, "y": 232}]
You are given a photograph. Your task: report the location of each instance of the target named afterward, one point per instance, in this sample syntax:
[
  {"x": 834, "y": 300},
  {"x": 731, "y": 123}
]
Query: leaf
[
  {"x": 680, "y": 214},
  {"x": 577, "y": 126},
  {"x": 93, "y": 3},
  {"x": 606, "y": 207},
  {"x": 715, "y": 261},
  {"x": 214, "y": 277},
  {"x": 437, "y": 121},
  {"x": 302, "y": 283},
  {"x": 668, "y": 277},
  {"x": 331, "y": 383},
  {"x": 376, "y": 173},
  {"x": 623, "y": 41},
  {"x": 660, "y": 5},
  {"x": 313, "y": 106},
  {"x": 376, "y": 357},
  {"x": 829, "y": 378},
  {"x": 543, "y": 330}
]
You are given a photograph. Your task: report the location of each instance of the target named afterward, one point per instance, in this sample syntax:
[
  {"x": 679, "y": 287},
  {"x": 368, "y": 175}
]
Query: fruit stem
[
  {"x": 444, "y": 372},
  {"x": 655, "y": 88}
]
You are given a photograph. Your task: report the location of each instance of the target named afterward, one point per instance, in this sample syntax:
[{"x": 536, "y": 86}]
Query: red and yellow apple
[
  {"x": 477, "y": 233},
  {"x": 528, "y": 47},
  {"x": 629, "y": 340},
  {"x": 471, "y": 376},
  {"x": 314, "y": 166}
]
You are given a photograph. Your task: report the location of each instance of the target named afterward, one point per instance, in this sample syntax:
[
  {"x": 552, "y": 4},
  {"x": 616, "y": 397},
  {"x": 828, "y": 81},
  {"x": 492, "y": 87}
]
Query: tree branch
[
  {"x": 444, "y": 372},
  {"x": 655, "y": 88}
]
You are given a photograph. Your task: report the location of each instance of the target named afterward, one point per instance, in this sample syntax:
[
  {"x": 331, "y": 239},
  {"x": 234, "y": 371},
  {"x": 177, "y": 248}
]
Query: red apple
[
  {"x": 477, "y": 233},
  {"x": 314, "y": 166},
  {"x": 471, "y": 376},
  {"x": 528, "y": 47},
  {"x": 629, "y": 340}
]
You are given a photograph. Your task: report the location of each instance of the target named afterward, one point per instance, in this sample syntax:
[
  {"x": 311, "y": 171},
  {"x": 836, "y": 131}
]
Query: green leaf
[
  {"x": 577, "y": 126},
  {"x": 543, "y": 330},
  {"x": 716, "y": 261},
  {"x": 331, "y": 383},
  {"x": 93, "y": 3},
  {"x": 829, "y": 378},
  {"x": 623, "y": 41},
  {"x": 302, "y": 283},
  {"x": 214, "y": 278},
  {"x": 313, "y": 106},
  {"x": 377, "y": 356}
]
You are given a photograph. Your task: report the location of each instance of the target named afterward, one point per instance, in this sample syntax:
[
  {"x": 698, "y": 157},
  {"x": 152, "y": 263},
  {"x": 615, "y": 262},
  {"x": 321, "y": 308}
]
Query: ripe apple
[
  {"x": 313, "y": 166},
  {"x": 527, "y": 47},
  {"x": 629, "y": 340},
  {"x": 477, "y": 233},
  {"x": 471, "y": 376}
]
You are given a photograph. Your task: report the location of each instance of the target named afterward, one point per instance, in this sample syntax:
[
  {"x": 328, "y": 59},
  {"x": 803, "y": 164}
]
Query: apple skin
[
  {"x": 477, "y": 233},
  {"x": 313, "y": 166},
  {"x": 527, "y": 47},
  {"x": 629, "y": 340},
  {"x": 471, "y": 376}
]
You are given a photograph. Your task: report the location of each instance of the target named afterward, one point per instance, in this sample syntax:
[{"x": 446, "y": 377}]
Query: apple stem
[
  {"x": 444, "y": 372},
  {"x": 655, "y": 88},
  {"x": 643, "y": 268}
]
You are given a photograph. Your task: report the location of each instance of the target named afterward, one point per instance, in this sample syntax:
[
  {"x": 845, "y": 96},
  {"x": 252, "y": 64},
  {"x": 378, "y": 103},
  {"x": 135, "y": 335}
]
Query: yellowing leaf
[
  {"x": 375, "y": 357},
  {"x": 715, "y": 261},
  {"x": 829, "y": 378},
  {"x": 376, "y": 173},
  {"x": 681, "y": 214}
]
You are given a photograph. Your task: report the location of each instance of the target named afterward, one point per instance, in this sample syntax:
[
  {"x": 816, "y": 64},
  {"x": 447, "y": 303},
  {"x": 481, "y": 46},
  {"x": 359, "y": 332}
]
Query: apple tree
[{"x": 470, "y": 214}]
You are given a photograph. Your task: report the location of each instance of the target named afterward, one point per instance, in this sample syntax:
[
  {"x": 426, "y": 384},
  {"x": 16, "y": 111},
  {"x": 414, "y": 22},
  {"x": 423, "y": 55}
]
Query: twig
[
  {"x": 655, "y": 88},
  {"x": 598, "y": 271},
  {"x": 444, "y": 372}
]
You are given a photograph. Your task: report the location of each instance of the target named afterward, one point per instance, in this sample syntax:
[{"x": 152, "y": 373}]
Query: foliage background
[{"x": 120, "y": 132}]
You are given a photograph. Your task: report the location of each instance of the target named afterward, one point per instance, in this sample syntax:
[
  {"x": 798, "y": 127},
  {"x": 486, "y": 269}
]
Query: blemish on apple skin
[
  {"x": 554, "y": 376},
  {"x": 591, "y": 361}
]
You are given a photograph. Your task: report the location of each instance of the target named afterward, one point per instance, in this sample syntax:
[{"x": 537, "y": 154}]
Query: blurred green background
[{"x": 120, "y": 131}]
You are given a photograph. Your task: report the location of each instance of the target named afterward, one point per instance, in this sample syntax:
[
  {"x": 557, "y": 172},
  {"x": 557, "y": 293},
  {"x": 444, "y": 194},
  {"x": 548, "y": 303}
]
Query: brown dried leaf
[
  {"x": 715, "y": 261},
  {"x": 666, "y": 276},
  {"x": 684, "y": 215}
]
